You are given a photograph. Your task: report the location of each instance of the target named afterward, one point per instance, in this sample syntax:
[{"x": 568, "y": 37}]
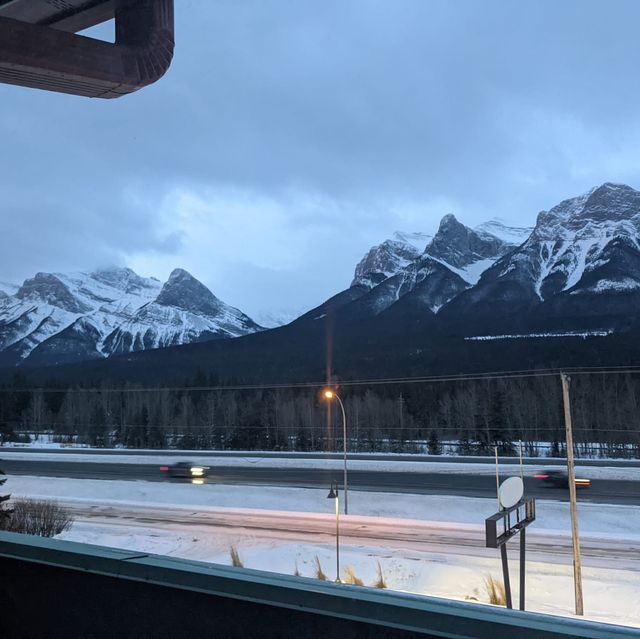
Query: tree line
[{"x": 464, "y": 416}]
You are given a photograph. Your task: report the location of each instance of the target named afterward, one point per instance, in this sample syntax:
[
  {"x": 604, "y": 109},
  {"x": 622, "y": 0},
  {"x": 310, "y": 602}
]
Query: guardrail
[{"x": 92, "y": 591}]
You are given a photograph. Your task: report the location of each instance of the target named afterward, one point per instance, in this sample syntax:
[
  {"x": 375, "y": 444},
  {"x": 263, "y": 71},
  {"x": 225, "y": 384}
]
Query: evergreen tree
[
  {"x": 433, "y": 445},
  {"x": 5, "y": 511}
]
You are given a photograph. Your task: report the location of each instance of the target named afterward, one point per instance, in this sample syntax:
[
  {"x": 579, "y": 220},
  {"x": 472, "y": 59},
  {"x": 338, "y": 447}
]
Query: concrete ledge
[{"x": 91, "y": 591}]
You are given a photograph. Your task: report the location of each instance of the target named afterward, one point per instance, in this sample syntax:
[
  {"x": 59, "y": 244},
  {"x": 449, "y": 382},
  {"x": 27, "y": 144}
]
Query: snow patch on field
[{"x": 551, "y": 515}]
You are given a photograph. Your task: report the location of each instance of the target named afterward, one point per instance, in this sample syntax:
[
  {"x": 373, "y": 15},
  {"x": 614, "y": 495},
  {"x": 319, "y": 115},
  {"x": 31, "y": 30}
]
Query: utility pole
[{"x": 571, "y": 478}]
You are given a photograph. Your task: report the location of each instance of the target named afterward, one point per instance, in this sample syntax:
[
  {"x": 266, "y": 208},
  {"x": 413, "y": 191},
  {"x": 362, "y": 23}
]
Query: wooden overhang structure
[{"x": 40, "y": 46}]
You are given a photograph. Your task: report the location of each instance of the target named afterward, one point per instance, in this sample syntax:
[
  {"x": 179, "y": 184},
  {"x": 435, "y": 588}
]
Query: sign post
[{"x": 514, "y": 516}]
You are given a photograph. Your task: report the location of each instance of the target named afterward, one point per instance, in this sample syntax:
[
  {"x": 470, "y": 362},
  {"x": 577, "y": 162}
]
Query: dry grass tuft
[
  {"x": 319, "y": 574},
  {"x": 380, "y": 581},
  {"x": 350, "y": 577},
  {"x": 236, "y": 562},
  {"x": 495, "y": 591}
]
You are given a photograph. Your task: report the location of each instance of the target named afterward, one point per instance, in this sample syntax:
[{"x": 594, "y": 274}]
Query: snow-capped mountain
[
  {"x": 278, "y": 317},
  {"x": 7, "y": 289},
  {"x": 515, "y": 235},
  {"x": 465, "y": 251},
  {"x": 390, "y": 257},
  {"x": 580, "y": 266},
  {"x": 451, "y": 262},
  {"x": 66, "y": 317}
]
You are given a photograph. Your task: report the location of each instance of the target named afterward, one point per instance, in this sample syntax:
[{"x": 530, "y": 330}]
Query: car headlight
[{"x": 197, "y": 471}]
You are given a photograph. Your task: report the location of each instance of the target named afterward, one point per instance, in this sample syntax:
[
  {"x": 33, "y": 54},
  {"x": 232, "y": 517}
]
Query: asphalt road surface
[
  {"x": 465, "y": 485},
  {"x": 446, "y": 459}
]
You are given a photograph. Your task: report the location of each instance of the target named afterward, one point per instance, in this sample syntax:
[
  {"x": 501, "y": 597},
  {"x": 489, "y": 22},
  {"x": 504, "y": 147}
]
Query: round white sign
[{"x": 510, "y": 492}]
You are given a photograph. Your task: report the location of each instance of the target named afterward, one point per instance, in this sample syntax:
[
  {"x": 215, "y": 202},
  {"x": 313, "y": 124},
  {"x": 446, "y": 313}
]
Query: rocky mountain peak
[
  {"x": 50, "y": 289},
  {"x": 386, "y": 259},
  {"x": 450, "y": 222},
  {"x": 607, "y": 203},
  {"x": 184, "y": 291},
  {"x": 116, "y": 276},
  {"x": 460, "y": 246}
]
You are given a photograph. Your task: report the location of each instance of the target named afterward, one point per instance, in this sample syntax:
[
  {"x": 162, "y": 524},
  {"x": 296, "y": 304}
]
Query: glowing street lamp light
[
  {"x": 329, "y": 394},
  {"x": 333, "y": 494}
]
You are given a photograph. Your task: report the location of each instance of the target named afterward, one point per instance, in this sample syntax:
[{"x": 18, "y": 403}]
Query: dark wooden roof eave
[{"x": 46, "y": 57}]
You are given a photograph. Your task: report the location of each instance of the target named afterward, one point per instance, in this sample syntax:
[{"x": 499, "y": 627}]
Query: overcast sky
[{"x": 290, "y": 136}]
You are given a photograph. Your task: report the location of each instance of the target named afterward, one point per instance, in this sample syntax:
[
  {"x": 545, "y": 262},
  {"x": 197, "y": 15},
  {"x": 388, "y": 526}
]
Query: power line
[{"x": 422, "y": 379}]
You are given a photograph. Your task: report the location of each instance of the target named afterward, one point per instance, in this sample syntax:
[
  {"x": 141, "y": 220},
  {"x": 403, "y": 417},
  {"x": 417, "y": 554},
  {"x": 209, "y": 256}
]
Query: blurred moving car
[
  {"x": 559, "y": 479},
  {"x": 185, "y": 470}
]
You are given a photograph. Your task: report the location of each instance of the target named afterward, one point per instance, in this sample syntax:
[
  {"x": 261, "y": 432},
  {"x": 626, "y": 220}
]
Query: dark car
[
  {"x": 560, "y": 479},
  {"x": 185, "y": 470}
]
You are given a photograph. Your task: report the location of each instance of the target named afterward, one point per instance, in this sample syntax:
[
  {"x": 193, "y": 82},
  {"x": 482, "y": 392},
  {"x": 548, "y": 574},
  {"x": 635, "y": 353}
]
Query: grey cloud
[{"x": 361, "y": 104}]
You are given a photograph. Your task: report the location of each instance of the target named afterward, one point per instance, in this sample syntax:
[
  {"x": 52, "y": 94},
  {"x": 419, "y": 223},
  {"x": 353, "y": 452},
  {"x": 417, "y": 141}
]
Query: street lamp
[
  {"x": 333, "y": 494},
  {"x": 329, "y": 394}
]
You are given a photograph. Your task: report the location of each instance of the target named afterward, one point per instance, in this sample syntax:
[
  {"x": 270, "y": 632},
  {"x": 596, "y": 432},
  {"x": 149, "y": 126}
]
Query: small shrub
[
  {"x": 296, "y": 572},
  {"x": 495, "y": 591},
  {"x": 350, "y": 577},
  {"x": 39, "y": 517},
  {"x": 319, "y": 574},
  {"x": 236, "y": 562},
  {"x": 380, "y": 581}
]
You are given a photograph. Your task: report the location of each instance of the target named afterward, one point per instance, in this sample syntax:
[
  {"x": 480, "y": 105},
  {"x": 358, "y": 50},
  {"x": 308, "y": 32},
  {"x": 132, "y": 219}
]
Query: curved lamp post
[{"x": 329, "y": 394}]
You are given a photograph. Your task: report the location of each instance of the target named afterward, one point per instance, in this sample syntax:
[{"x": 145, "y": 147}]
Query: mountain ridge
[
  {"x": 56, "y": 317},
  {"x": 575, "y": 273}
]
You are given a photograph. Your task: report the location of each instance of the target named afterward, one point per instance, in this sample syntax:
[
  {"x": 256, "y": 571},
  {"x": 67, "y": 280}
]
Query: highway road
[
  {"x": 446, "y": 459},
  {"x": 466, "y": 485}
]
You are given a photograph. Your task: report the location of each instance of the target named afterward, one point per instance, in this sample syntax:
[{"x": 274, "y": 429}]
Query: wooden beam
[{"x": 43, "y": 57}]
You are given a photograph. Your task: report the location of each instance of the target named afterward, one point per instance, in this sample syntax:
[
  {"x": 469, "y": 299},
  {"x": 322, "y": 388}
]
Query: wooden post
[{"x": 571, "y": 477}]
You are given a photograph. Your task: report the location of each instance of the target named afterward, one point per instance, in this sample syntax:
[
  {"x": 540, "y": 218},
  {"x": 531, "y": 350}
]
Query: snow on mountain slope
[
  {"x": 387, "y": 259},
  {"x": 61, "y": 317},
  {"x": 570, "y": 242},
  {"x": 582, "y": 260},
  {"x": 452, "y": 261},
  {"x": 464, "y": 251},
  {"x": 7, "y": 289},
  {"x": 185, "y": 311},
  {"x": 279, "y": 317},
  {"x": 416, "y": 239},
  {"x": 496, "y": 227}
]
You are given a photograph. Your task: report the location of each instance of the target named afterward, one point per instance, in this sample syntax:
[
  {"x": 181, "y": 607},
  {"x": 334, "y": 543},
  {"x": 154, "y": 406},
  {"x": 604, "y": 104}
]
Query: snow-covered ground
[
  {"x": 438, "y": 551},
  {"x": 595, "y": 518},
  {"x": 379, "y": 465},
  {"x": 544, "y": 451},
  {"x": 583, "y": 334}
]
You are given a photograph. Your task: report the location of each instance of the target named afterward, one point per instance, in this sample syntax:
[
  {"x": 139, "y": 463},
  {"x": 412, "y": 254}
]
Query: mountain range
[
  {"x": 55, "y": 318},
  {"x": 463, "y": 299},
  {"x": 576, "y": 270}
]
